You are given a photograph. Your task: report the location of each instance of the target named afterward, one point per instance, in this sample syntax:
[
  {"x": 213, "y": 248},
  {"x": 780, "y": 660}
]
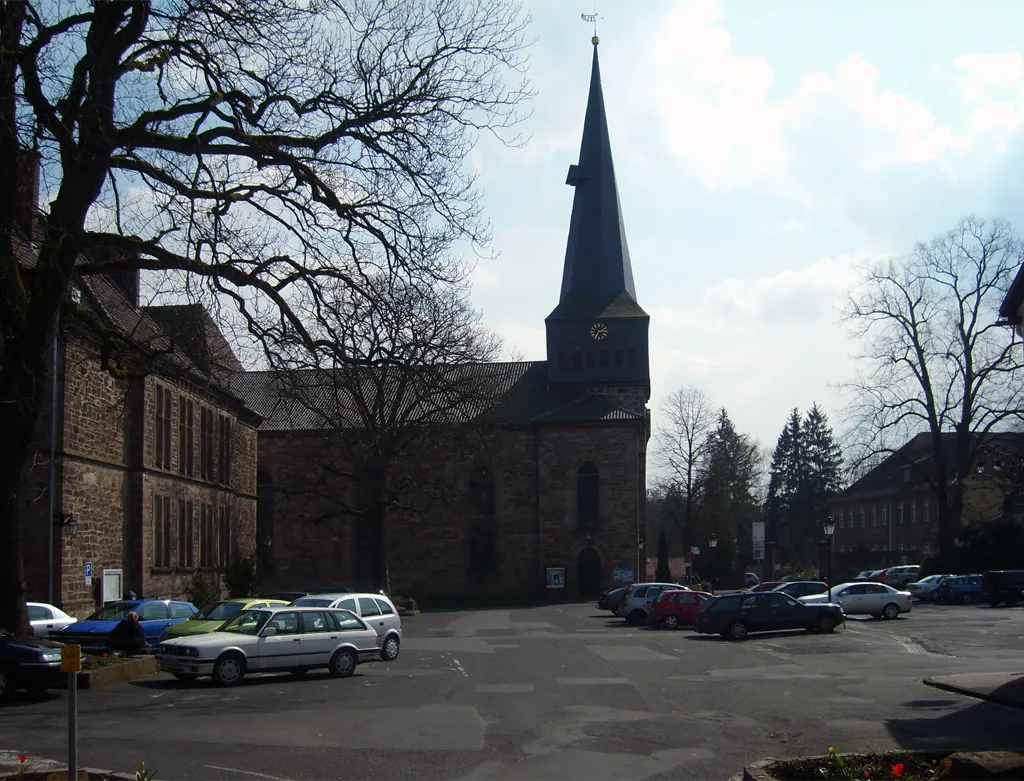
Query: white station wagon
[
  {"x": 291, "y": 639},
  {"x": 379, "y": 613}
]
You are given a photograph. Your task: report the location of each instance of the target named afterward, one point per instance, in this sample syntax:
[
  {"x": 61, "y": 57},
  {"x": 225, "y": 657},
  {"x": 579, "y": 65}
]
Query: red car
[
  {"x": 766, "y": 586},
  {"x": 673, "y": 609}
]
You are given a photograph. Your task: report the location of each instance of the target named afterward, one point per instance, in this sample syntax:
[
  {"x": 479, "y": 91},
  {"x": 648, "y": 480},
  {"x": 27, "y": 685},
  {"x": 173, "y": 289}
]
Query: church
[{"x": 554, "y": 509}]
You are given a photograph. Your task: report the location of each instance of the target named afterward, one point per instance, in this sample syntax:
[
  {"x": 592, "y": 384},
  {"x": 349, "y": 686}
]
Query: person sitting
[{"x": 128, "y": 636}]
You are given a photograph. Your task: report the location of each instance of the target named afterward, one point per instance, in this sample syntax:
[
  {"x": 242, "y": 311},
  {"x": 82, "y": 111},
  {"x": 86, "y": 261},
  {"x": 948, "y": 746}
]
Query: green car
[{"x": 214, "y": 616}]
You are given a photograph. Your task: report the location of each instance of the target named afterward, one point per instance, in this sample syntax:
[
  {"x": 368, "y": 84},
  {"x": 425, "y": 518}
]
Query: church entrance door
[{"x": 588, "y": 570}]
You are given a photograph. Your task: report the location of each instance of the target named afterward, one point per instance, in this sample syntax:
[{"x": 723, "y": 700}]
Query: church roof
[
  {"x": 501, "y": 394},
  {"x": 597, "y": 268}
]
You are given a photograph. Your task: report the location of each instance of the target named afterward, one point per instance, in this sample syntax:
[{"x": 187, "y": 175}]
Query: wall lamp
[{"x": 66, "y": 523}]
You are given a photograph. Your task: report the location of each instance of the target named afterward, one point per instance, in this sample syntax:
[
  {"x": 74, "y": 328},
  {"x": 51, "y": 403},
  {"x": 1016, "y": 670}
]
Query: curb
[
  {"x": 118, "y": 673},
  {"x": 758, "y": 771},
  {"x": 1010, "y": 702},
  {"x": 84, "y": 774}
]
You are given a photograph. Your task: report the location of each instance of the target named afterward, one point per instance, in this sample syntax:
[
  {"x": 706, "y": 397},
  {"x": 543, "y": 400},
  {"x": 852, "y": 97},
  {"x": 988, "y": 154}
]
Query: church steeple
[
  {"x": 597, "y": 336},
  {"x": 596, "y": 255}
]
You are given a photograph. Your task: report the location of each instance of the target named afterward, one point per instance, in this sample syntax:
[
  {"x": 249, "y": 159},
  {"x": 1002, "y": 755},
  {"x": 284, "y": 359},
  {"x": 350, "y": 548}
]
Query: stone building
[
  {"x": 553, "y": 496},
  {"x": 888, "y": 517},
  {"x": 155, "y": 460}
]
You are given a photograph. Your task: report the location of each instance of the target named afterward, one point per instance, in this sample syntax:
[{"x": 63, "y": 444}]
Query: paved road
[{"x": 557, "y": 692}]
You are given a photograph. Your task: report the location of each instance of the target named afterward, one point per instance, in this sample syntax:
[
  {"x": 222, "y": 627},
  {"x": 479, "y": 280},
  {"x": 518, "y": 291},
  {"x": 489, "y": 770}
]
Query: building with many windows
[{"x": 154, "y": 460}]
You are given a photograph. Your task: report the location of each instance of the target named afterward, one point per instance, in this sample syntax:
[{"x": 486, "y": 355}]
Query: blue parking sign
[{"x": 88, "y": 569}]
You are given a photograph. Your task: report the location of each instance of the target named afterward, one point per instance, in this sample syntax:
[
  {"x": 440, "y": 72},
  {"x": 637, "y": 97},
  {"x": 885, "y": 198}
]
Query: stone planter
[
  {"x": 84, "y": 774},
  {"x": 956, "y": 766},
  {"x": 118, "y": 672}
]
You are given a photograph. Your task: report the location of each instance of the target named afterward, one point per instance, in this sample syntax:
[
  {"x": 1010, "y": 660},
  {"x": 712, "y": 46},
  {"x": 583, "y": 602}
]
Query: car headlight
[{"x": 192, "y": 651}]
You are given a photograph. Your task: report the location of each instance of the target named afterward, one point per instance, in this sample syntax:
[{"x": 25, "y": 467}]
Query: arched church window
[
  {"x": 588, "y": 484},
  {"x": 482, "y": 531}
]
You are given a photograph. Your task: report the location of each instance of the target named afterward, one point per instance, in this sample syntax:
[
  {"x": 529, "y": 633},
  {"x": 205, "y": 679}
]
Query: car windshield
[
  {"x": 312, "y": 602},
  {"x": 116, "y": 612},
  {"x": 218, "y": 611},
  {"x": 248, "y": 623}
]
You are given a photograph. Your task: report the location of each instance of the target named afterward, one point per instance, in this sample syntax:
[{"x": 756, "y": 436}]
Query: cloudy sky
[{"x": 762, "y": 151}]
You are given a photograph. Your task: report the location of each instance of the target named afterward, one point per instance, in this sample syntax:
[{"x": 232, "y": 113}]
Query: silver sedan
[{"x": 874, "y": 599}]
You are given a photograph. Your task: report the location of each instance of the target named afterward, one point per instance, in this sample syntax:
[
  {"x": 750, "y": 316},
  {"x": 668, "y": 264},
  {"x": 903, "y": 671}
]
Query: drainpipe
[
  {"x": 53, "y": 463},
  {"x": 536, "y": 494}
]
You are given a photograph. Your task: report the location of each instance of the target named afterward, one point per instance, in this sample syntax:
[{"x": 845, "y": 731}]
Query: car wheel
[
  {"x": 185, "y": 676},
  {"x": 826, "y": 624},
  {"x": 891, "y": 610},
  {"x": 343, "y": 663},
  {"x": 389, "y": 651},
  {"x": 636, "y": 618},
  {"x": 671, "y": 621},
  {"x": 229, "y": 670},
  {"x": 737, "y": 630}
]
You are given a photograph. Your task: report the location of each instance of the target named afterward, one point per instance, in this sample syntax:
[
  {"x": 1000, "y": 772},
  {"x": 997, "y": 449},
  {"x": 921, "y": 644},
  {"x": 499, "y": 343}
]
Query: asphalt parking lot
[{"x": 557, "y": 692}]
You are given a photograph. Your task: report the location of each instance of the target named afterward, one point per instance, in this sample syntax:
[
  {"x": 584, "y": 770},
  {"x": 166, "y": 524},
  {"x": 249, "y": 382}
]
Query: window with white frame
[
  {"x": 925, "y": 504},
  {"x": 885, "y": 515},
  {"x": 899, "y": 545},
  {"x": 927, "y": 547},
  {"x": 862, "y": 517},
  {"x": 913, "y": 511},
  {"x": 874, "y": 546},
  {"x": 913, "y": 545},
  {"x": 840, "y": 519},
  {"x": 899, "y": 512},
  {"x": 874, "y": 515}
]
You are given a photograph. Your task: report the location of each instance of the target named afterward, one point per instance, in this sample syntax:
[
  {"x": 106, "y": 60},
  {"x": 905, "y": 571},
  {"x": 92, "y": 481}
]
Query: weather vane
[{"x": 592, "y": 18}]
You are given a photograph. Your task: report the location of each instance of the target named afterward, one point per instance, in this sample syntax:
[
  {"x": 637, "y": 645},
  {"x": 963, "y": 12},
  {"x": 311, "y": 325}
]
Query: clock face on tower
[{"x": 598, "y": 331}]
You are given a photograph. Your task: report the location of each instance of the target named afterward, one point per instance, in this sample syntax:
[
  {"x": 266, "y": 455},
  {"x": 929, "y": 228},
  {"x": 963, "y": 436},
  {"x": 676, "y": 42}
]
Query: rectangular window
[
  {"x": 186, "y": 543},
  {"x": 899, "y": 512},
  {"x": 206, "y": 443},
  {"x": 885, "y": 515},
  {"x": 840, "y": 519},
  {"x": 224, "y": 449},
  {"x": 862, "y": 517},
  {"x": 186, "y": 436},
  {"x": 617, "y": 357},
  {"x": 207, "y": 539},
  {"x": 899, "y": 545},
  {"x": 161, "y": 531},
  {"x": 591, "y": 359},
  {"x": 913, "y": 511},
  {"x": 874, "y": 515},
  {"x": 164, "y": 401},
  {"x": 603, "y": 355},
  {"x": 874, "y": 546},
  {"x": 577, "y": 359},
  {"x": 924, "y": 511},
  {"x": 913, "y": 545},
  {"x": 224, "y": 537},
  {"x": 927, "y": 547},
  {"x": 906, "y": 474}
]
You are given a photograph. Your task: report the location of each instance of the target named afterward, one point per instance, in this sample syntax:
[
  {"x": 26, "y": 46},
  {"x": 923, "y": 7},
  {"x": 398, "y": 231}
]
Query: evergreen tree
[
  {"x": 823, "y": 463},
  {"x": 728, "y": 482},
  {"x": 782, "y": 504},
  {"x": 663, "y": 573}
]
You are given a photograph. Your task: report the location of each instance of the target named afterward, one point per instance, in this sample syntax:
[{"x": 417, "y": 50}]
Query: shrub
[
  {"x": 202, "y": 591},
  {"x": 241, "y": 579}
]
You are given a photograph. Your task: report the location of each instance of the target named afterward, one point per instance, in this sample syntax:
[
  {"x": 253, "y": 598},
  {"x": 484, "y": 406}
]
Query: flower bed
[{"x": 902, "y": 765}]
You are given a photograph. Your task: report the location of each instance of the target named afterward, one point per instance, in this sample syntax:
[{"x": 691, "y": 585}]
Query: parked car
[
  {"x": 31, "y": 663},
  {"x": 376, "y": 610},
  {"x": 637, "y": 599},
  {"x": 286, "y": 596},
  {"x": 750, "y": 580},
  {"x": 768, "y": 585},
  {"x": 802, "y": 588},
  {"x": 1003, "y": 585},
  {"x": 46, "y": 619},
  {"x": 862, "y": 576},
  {"x": 876, "y": 574},
  {"x": 899, "y": 577},
  {"x": 672, "y": 609},
  {"x": 155, "y": 616},
  {"x": 874, "y": 599},
  {"x": 213, "y": 617},
  {"x": 736, "y": 615},
  {"x": 609, "y": 600},
  {"x": 293, "y": 639},
  {"x": 960, "y": 588},
  {"x": 924, "y": 589}
]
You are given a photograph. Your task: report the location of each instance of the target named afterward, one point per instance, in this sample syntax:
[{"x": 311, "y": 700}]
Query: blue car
[
  {"x": 960, "y": 588},
  {"x": 155, "y": 615}
]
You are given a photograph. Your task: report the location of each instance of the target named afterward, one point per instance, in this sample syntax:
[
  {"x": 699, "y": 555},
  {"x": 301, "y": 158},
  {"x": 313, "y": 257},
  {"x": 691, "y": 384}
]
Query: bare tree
[
  {"x": 682, "y": 443},
  {"x": 416, "y": 388},
  {"x": 257, "y": 151},
  {"x": 935, "y": 360}
]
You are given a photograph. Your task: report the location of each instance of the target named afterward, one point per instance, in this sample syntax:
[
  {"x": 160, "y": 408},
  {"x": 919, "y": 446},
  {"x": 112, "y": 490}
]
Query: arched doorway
[{"x": 588, "y": 572}]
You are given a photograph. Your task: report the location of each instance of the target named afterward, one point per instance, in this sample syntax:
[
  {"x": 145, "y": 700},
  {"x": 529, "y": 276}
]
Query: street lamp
[
  {"x": 830, "y": 529},
  {"x": 713, "y": 542}
]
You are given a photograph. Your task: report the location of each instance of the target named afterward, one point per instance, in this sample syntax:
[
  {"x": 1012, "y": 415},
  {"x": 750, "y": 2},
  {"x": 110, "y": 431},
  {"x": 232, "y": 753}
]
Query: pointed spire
[{"x": 596, "y": 256}]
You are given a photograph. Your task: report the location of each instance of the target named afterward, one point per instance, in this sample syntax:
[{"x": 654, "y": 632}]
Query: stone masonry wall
[{"x": 429, "y": 557}]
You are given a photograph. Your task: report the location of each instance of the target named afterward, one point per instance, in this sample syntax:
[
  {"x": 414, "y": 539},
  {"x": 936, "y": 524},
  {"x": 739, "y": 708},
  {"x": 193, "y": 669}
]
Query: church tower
[{"x": 597, "y": 336}]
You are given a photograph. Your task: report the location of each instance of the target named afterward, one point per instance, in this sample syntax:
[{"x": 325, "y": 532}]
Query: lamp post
[{"x": 830, "y": 529}]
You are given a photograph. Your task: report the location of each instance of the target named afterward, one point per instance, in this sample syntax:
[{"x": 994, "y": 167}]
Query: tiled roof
[
  {"x": 513, "y": 393},
  {"x": 194, "y": 331},
  {"x": 917, "y": 454},
  {"x": 576, "y": 307}
]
